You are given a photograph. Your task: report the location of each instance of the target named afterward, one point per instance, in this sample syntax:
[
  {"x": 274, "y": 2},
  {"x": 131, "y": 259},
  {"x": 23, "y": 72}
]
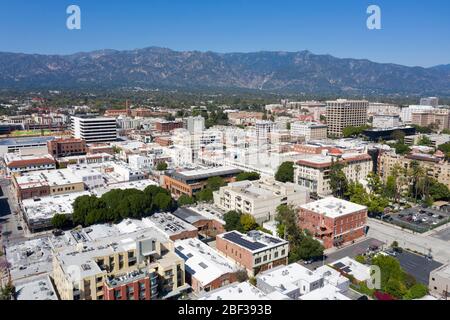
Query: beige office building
[{"x": 344, "y": 113}]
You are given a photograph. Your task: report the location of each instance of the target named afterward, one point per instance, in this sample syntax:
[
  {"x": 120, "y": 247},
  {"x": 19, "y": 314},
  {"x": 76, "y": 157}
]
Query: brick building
[
  {"x": 255, "y": 251},
  {"x": 66, "y": 147},
  {"x": 333, "y": 221},
  {"x": 167, "y": 126}
]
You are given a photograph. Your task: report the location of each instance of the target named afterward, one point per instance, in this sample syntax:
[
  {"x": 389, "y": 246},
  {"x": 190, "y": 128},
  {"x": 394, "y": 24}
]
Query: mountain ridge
[{"x": 277, "y": 71}]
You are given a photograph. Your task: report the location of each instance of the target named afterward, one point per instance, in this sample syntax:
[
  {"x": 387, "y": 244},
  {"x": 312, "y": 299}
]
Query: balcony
[{"x": 127, "y": 278}]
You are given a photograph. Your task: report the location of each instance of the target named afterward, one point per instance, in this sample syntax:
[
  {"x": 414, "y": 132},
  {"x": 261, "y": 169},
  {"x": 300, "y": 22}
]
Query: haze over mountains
[{"x": 283, "y": 72}]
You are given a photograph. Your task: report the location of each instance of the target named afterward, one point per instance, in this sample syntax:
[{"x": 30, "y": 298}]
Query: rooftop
[
  {"x": 202, "y": 261},
  {"x": 37, "y": 289},
  {"x": 41, "y": 209},
  {"x": 48, "y": 177},
  {"x": 254, "y": 241},
  {"x": 25, "y": 141},
  {"x": 204, "y": 173},
  {"x": 236, "y": 291},
  {"x": 333, "y": 207},
  {"x": 168, "y": 223},
  {"x": 286, "y": 278},
  {"x": 327, "y": 292},
  {"x": 352, "y": 267}
]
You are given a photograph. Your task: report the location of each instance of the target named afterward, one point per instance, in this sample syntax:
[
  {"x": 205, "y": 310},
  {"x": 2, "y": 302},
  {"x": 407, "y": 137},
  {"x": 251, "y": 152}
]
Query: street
[{"x": 417, "y": 242}]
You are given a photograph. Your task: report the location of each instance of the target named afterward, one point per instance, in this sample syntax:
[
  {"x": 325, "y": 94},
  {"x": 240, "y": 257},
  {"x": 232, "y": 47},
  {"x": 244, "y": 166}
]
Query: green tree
[
  {"x": 399, "y": 136},
  {"x": 162, "y": 166},
  {"x": 248, "y": 176},
  {"x": 7, "y": 292},
  {"x": 285, "y": 172},
  {"x": 60, "y": 221},
  {"x": 439, "y": 191},
  {"x": 417, "y": 291},
  {"x": 424, "y": 141},
  {"x": 248, "y": 222},
  {"x": 162, "y": 202},
  {"x": 233, "y": 221},
  {"x": 215, "y": 183},
  {"x": 338, "y": 180},
  {"x": 205, "y": 195},
  {"x": 185, "y": 200}
]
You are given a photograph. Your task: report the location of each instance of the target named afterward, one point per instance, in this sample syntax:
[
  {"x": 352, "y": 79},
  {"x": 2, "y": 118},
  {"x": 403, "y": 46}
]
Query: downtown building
[
  {"x": 313, "y": 172},
  {"x": 255, "y": 251},
  {"x": 139, "y": 265},
  {"x": 344, "y": 113},
  {"x": 94, "y": 130},
  {"x": 333, "y": 221},
  {"x": 259, "y": 198}
]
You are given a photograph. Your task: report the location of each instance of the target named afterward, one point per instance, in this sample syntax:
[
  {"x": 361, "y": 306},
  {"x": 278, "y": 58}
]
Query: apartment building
[
  {"x": 406, "y": 113},
  {"x": 333, "y": 221},
  {"x": 94, "y": 129},
  {"x": 206, "y": 269},
  {"x": 313, "y": 172},
  {"x": 140, "y": 265},
  {"x": 64, "y": 147},
  {"x": 260, "y": 198},
  {"x": 434, "y": 165},
  {"x": 255, "y": 251},
  {"x": 309, "y": 130},
  {"x": 437, "y": 118},
  {"x": 344, "y": 113}
]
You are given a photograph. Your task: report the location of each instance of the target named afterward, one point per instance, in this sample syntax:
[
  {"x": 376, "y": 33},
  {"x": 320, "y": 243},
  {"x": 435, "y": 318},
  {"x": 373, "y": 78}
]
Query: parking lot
[
  {"x": 350, "y": 251},
  {"x": 417, "y": 266},
  {"x": 420, "y": 219}
]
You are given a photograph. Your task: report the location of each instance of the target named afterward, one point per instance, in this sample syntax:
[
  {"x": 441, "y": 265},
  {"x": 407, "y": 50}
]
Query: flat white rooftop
[
  {"x": 327, "y": 292},
  {"x": 236, "y": 291},
  {"x": 285, "y": 276},
  {"x": 333, "y": 207},
  {"x": 202, "y": 261},
  {"x": 49, "y": 177},
  {"x": 45, "y": 208},
  {"x": 37, "y": 289}
]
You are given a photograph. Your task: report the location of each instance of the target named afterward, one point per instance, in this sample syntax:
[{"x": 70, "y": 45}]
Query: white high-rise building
[
  {"x": 195, "y": 125},
  {"x": 94, "y": 129}
]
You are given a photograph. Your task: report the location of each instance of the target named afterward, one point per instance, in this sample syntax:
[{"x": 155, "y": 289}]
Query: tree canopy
[
  {"x": 285, "y": 172},
  {"x": 120, "y": 204},
  {"x": 250, "y": 176}
]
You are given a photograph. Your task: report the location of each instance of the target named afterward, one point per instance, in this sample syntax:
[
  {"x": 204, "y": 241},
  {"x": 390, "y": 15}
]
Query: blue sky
[{"x": 415, "y": 32}]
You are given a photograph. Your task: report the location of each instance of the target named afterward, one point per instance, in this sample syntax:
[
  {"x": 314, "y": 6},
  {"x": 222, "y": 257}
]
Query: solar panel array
[{"x": 237, "y": 238}]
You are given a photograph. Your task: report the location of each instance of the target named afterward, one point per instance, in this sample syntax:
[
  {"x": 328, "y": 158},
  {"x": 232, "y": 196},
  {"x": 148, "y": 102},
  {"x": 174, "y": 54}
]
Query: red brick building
[
  {"x": 66, "y": 147},
  {"x": 333, "y": 221},
  {"x": 167, "y": 126},
  {"x": 134, "y": 286},
  {"x": 256, "y": 251}
]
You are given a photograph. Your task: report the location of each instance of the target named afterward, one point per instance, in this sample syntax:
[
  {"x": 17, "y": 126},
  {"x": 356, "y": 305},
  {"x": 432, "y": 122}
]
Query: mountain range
[{"x": 281, "y": 72}]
